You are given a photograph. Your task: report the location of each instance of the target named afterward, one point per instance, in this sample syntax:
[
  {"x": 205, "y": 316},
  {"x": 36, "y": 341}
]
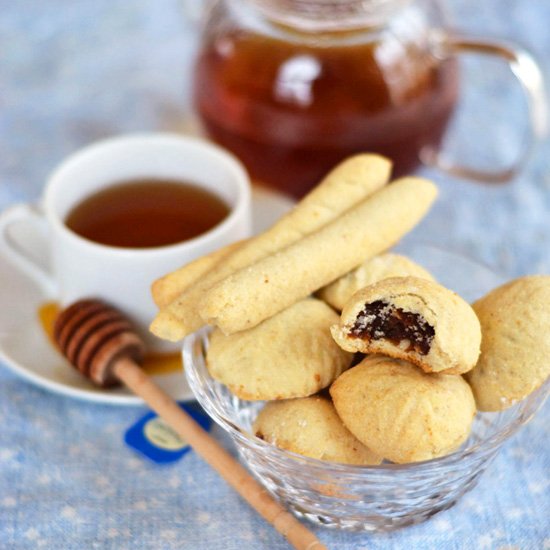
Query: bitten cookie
[
  {"x": 310, "y": 426},
  {"x": 373, "y": 270},
  {"x": 413, "y": 319},
  {"x": 402, "y": 413},
  {"x": 291, "y": 354},
  {"x": 515, "y": 350}
]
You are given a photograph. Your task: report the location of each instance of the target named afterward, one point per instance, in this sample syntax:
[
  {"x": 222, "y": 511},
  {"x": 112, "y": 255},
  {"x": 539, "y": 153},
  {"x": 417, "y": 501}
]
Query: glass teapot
[{"x": 294, "y": 86}]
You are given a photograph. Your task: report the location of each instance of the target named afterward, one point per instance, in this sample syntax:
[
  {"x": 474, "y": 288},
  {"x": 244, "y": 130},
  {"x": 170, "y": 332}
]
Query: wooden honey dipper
[{"x": 102, "y": 345}]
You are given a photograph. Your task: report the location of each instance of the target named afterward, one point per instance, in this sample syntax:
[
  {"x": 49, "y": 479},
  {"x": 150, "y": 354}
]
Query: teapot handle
[{"x": 527, "y": 72}]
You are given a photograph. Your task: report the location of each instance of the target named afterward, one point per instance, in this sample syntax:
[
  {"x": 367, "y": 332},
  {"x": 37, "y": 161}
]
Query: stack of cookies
[
  {"x": 359, "y": 353},
  {"x": 408, "y": 338}
]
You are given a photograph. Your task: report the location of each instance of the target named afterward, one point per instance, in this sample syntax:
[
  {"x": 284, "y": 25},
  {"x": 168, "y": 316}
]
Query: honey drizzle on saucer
[{"x": 154, "y": 363}]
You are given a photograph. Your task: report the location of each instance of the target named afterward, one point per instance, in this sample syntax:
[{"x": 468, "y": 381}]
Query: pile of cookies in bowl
[{"x": 359, "y": 389}]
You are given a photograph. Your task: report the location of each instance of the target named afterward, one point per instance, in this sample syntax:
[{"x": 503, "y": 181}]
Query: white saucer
[{"x": 26, "y": 350}]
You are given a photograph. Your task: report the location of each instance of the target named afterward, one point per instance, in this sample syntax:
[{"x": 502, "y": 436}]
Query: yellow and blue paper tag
[{"x": 153, "y": 438}]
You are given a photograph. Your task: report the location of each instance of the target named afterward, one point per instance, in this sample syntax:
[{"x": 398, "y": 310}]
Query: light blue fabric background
[{"x": 73, "y": 72}]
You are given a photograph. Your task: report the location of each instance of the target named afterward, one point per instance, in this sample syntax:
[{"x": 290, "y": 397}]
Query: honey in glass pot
[{"x": 292, "y": 101}]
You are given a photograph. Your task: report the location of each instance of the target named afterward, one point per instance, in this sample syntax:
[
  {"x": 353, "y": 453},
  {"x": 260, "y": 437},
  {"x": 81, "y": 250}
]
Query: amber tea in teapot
[
  {"x": 292, "y": 106},
  {"x": 294, "y": 87}
]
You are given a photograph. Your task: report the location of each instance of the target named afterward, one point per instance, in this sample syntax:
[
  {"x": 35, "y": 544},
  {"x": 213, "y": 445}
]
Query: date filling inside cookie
[{"x": 380, "y": 320}]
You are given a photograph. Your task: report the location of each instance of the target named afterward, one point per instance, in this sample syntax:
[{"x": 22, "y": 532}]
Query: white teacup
[{"x": 78, "y": 268}]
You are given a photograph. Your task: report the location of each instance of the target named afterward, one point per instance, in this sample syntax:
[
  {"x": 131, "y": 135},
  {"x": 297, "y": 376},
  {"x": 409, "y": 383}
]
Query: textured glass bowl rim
[{"x": 528, "y": 406}]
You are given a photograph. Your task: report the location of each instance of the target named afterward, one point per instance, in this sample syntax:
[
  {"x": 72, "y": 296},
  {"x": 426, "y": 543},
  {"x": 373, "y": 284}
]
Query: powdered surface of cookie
[
  {"x": 268, "y": 286},
  {"x": 414, "y": 319},
  {"x": 371, "y": 271},
  {"x": 311, "y": 427},
  {"x": 515, "y": 350},
  {"x": 402, "y": 413},
  {"x": 289, "y": 355}
]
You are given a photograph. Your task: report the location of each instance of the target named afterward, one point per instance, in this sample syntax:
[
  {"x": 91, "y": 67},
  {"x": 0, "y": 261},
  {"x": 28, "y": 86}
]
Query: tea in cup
[{"x": 119, "y": 214}]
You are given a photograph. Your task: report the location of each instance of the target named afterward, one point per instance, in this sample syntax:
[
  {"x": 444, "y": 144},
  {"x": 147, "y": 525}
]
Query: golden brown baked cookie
[
  {"x": 515, "y": 350},
  {"x": 413, "y": 319},
  {"x": 292, "y": 354},
  {"x": 268, "y": 286},
  {"x": 402, "y": 413},
  {"x": 310, "y": 426},
  {"x": 373, "y": 270},
  {"x": 166, "y": 289}
]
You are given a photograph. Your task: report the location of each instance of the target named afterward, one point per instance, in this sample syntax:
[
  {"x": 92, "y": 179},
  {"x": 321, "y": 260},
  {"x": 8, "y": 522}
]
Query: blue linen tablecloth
[{"x": 73, "y": 72}]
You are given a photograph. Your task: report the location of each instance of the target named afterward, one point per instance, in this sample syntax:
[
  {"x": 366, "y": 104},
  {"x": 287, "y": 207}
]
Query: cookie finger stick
[
  {"x": 257, "y": 292},
  {"x": 350, "y": 182},
  {"x": 168, "y": 288},
  {"x": 102, "y": 345}
]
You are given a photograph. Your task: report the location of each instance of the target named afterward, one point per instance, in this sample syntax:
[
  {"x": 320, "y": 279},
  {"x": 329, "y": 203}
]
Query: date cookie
[
  {"x": 413, "y": 319},
  {"x": 515, "y": 350},
  {"x": 373, "y": 270},
  {"x": 402, "y": 413},
  {"x": 310, "y": 426},
  {"x": 291, "y": 354}
]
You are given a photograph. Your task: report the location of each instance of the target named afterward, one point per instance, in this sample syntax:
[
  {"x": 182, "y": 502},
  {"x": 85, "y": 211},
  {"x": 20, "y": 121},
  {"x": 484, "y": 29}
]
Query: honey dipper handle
[{"x": 214, "y": 454}]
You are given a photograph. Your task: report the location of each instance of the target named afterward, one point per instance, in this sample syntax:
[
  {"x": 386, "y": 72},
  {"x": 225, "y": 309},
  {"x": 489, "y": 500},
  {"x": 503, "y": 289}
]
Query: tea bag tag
[{"x": 152, "y": 438}]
